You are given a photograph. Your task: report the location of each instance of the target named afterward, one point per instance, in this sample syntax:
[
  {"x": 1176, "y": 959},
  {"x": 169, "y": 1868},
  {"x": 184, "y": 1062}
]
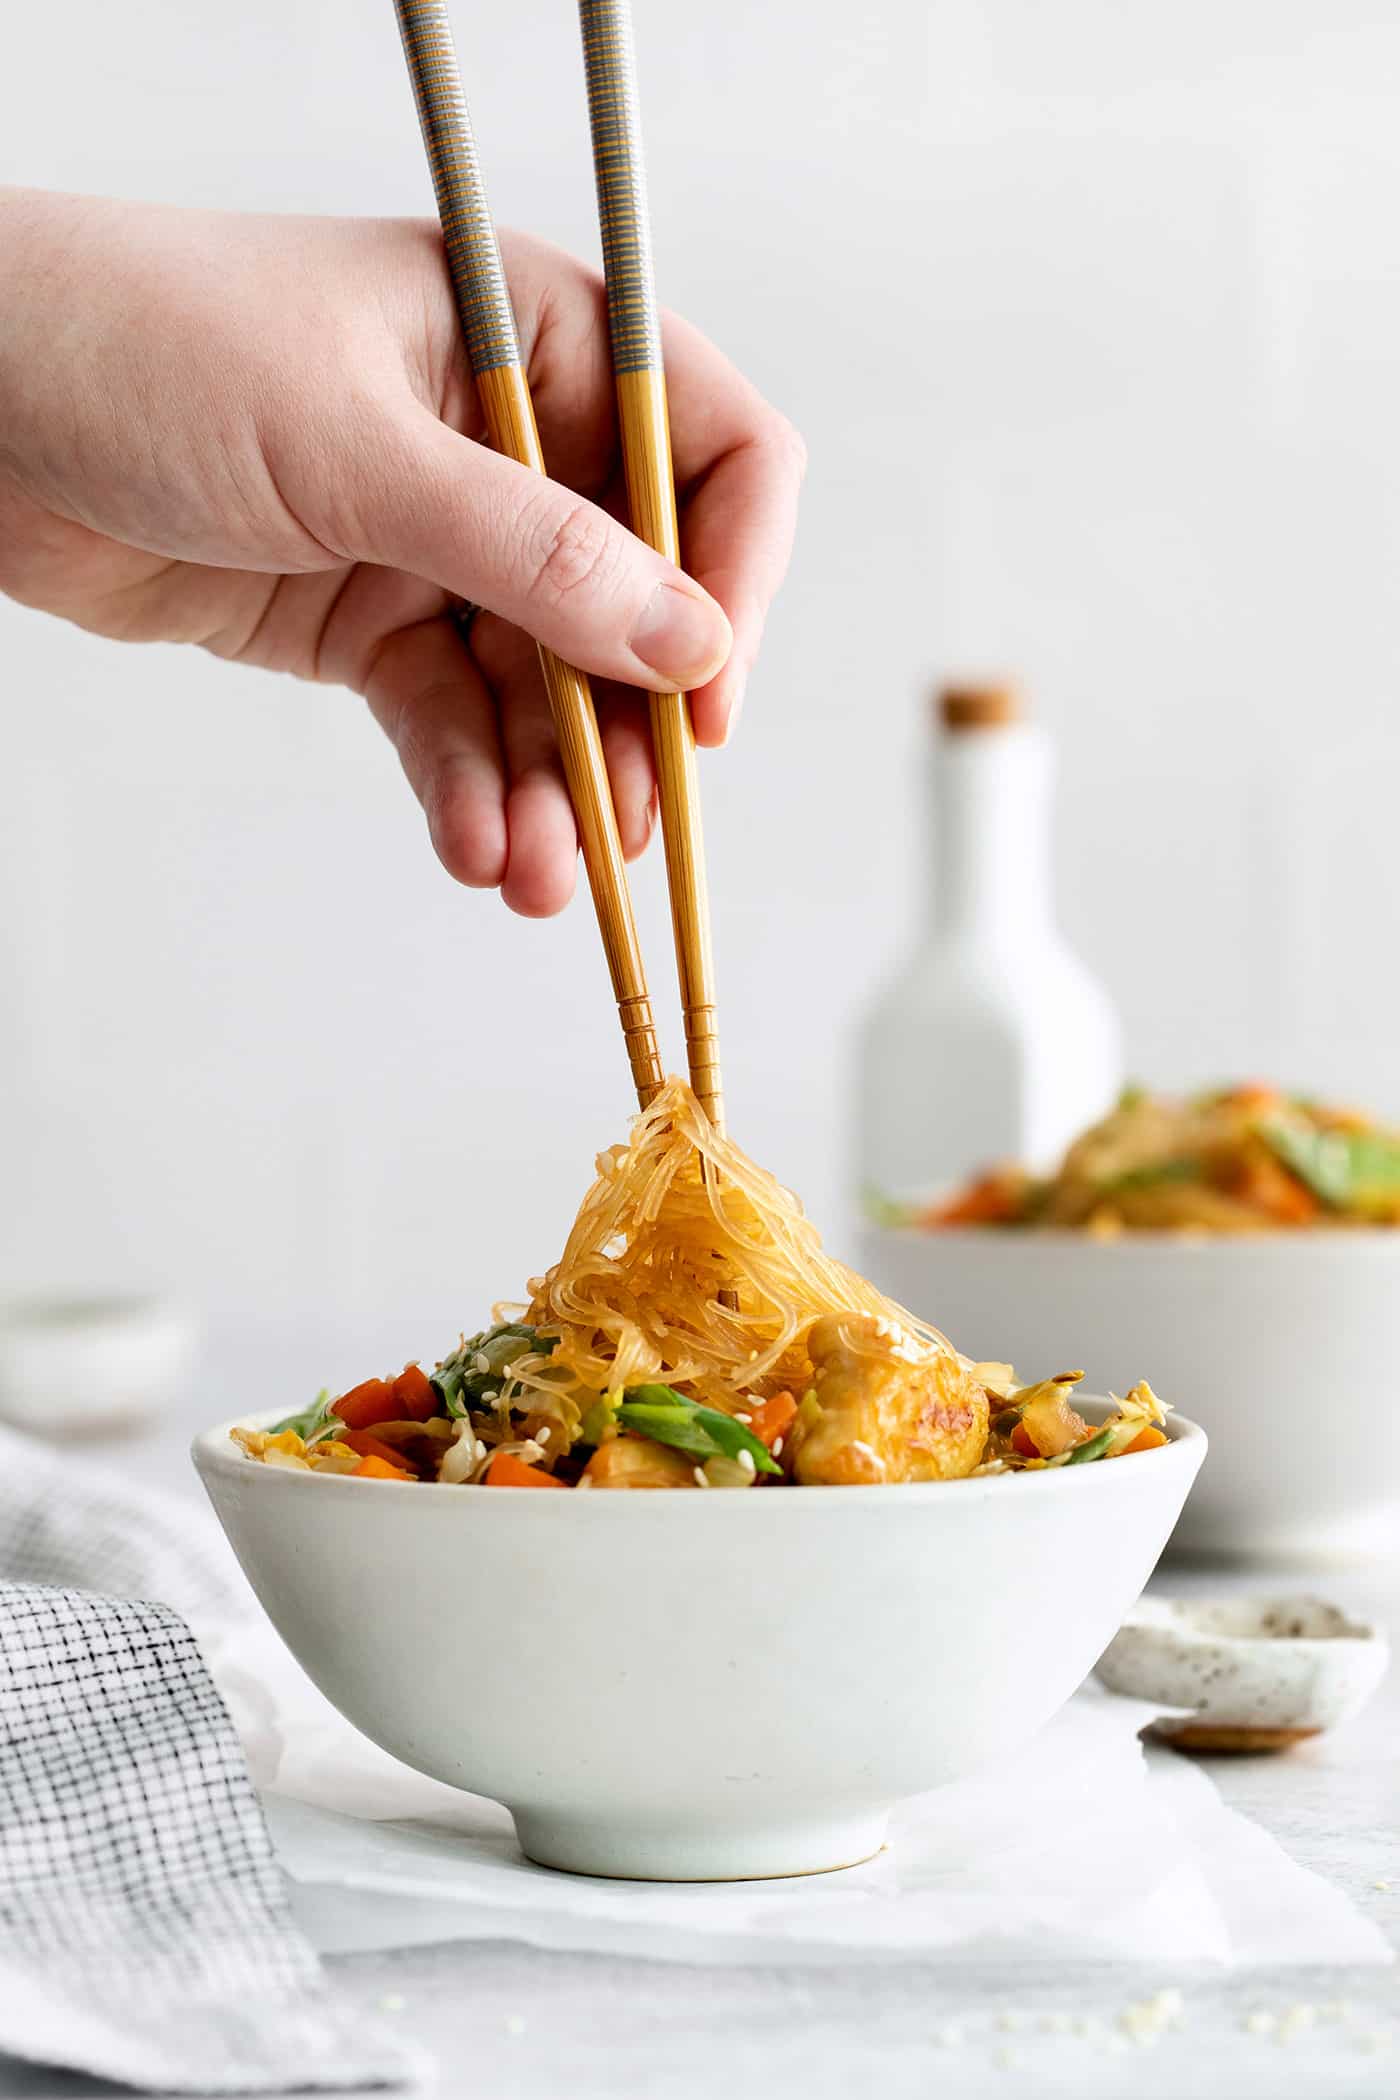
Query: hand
[{"x": 261, "y": 435}]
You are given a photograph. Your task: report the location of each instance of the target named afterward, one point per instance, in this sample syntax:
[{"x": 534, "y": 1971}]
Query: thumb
[{"x": 547, "y": 560}]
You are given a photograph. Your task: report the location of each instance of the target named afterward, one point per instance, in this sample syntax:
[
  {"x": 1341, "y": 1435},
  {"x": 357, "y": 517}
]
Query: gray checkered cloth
[{"x": 145, "y": 1933}]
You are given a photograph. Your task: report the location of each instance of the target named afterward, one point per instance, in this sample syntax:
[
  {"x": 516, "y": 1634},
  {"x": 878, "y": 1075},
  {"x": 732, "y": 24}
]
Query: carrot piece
[
  {"x": 993, "y": 1199},
  {"x": 1253, "y": 1094},
  {"x": 1024, "y": 1442},
  {"x": 773, "y": 1418},
  {"x": 414, "y": 1395},
  {"x": 376, "y": 1468},
  {"x": 366, "y": 1404},
  {"x": 365, "y": 1444},
  {"x": 508, "y": 1471},
  {"x": 1279, "y": 1194},
  {"x": 1146, "y": 1440}
]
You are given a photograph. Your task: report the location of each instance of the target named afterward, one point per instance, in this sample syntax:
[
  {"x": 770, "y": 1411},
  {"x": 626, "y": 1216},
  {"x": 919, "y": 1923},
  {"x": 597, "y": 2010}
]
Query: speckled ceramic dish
[{"x": 1255, "y": 1673}]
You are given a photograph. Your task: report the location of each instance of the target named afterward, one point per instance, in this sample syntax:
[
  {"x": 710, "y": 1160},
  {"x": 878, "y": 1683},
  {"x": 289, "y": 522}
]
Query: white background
[{"x": 1091, "y": 317}]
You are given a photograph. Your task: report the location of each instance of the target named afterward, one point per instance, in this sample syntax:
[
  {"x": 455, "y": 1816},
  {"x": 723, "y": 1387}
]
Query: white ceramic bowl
[
  {"x": 1285, "y": 1347},
  {"x": 1253, "y": 1673},
  {"x": 674, "y": 1686},
  {"x": 90, "y": 1362}
]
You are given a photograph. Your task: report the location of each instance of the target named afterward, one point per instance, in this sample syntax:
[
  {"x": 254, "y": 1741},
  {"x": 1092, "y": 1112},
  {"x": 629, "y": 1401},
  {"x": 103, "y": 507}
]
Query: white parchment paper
[{"x": 1087, "y": 1844}]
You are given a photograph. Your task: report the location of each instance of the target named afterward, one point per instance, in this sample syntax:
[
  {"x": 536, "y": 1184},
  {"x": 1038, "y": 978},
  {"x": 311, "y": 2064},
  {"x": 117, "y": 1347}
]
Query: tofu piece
[{"x": 888, "y": 1414}]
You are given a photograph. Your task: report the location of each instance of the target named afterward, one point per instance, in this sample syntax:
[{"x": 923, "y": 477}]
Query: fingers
[
  {"x": 543, "y": 840},
  {"x": 740, "y": 465},
  {"x": 626, "y": 732},
  {"x": 542, "y": 557},
  {"x": 477, "y": 744},
  {"x": 432, "y": 703}
]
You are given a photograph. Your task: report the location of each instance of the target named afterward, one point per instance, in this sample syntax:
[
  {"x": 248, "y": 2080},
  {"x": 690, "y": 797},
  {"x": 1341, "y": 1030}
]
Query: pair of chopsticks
[{"x": 483, "y": 304}]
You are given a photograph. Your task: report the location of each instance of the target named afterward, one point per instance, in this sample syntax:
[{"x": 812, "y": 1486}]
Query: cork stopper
[{"x": 990, "y": 706}]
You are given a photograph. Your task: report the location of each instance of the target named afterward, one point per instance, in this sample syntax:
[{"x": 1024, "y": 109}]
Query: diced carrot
[
  {"x": 1267, "y": 1183},
  {"x": 508, "y": 1471},
  {"x": 773, "y": 1418},
  {"x": 1024, "y": 1442},
  {"x": 376, "y": 1468},
  {"x": 1146, "y": 1440},
  {"x": 1254, "y": 1094},
  {"x": 366, "y": 1404},
  {"x": 993, "y": 1200},
  {"x": 413, "y": 1395},
  {"x": 367, "y": 1445}
]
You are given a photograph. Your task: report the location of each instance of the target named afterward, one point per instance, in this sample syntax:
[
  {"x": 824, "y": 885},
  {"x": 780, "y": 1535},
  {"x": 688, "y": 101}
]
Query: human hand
[{"x": 261, "y": 435}]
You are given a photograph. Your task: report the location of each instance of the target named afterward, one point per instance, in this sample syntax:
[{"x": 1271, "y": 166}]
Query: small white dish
[
  {"x": 681, "y": 1687},
  {"x": 1254, "y": 1336},
  {"x": 1253, "y": 1673},
  {"x": 93, "y": 1362}
]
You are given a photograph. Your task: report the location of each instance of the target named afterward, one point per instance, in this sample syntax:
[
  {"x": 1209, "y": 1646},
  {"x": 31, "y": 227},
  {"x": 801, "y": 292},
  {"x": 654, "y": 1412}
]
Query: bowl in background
[
  {"x": 1284, "y": 1346},
  {"x": 90, "y": 1362},
  {"x": 672, "y": 1686}
]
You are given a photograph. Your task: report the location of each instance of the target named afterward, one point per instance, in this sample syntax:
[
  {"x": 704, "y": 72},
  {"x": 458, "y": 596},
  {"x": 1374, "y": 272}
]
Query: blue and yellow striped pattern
[
  {"x": 473, "y": 256},
  {"x": 615, "y": 121}
]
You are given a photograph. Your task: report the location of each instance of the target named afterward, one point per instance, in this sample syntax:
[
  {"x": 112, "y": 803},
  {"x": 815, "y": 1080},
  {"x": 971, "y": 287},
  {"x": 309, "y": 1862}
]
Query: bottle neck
[{"x": 991, "y": 809}]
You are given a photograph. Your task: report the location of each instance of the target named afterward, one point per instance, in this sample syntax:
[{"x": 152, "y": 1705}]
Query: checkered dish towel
[{"x": 145, "y": 1933}]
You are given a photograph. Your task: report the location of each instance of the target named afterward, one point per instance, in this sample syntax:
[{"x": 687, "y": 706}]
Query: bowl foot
[{"x": 726, "y": 1850}]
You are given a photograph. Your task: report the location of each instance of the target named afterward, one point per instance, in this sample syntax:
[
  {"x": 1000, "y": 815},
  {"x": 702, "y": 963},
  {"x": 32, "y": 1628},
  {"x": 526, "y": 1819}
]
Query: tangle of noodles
[{"x": 678, "y": 1220}]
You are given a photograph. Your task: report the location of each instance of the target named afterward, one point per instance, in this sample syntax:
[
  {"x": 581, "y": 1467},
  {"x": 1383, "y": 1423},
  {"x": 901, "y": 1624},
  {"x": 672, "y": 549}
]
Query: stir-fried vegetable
[
  {"x": 695, "y": 1335},
  {"x": 668, "y": 1417},
  {"x": 652, "y": 1436},
  {"x": 1237, "y": 1159}
]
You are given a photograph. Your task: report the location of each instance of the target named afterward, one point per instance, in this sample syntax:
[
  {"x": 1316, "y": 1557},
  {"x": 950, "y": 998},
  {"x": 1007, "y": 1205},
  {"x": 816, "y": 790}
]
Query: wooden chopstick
[
  {"x": 483, "y": 304},
  {"x": 633, "y": 323}
]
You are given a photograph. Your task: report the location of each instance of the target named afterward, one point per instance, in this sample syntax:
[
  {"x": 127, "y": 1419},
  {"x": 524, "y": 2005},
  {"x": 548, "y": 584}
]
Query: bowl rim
[
  {"x": 214, "y": 1452},
  {"x": 1154, "y": 1239},
  {"x": 1168, "y": 1624}
]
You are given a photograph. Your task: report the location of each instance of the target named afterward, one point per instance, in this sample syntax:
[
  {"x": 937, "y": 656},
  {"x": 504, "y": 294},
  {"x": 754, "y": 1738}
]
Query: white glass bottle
[{"x": 992, "y": 1041}]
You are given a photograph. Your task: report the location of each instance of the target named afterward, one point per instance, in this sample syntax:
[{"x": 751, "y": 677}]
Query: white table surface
[{"x": 513, "y": 2023}]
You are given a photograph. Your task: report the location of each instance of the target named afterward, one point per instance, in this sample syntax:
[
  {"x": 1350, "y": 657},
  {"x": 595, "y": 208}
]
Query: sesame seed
[
  {"x": 515, "y": 2023},
  {"x": 777, "y": 1446},
  {"x": 949, "y": 2035},
  {"x": 1006, "y": 2059},
  {"x": 701, "y": 1478},
  {"x": 1260, "y": 2022},
  {"x": 392, "y": 2001},
  {"x": 746, "y": 1460},
  {"x": 542, "y": 1436},
  {"x": 745, "y": 1419},
  {"x": 1009, "y": 2022},
  {"x": 1146, "y": 2021},
  {"x": 489, "y": 1397}
]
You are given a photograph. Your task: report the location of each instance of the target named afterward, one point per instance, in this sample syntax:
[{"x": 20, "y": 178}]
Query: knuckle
[{"x": 571, "y": 552}]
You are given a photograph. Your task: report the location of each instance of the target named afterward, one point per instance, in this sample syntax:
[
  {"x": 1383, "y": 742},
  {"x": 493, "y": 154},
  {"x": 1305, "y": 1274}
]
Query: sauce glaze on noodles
[{"x": 677, "y": 1217}]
